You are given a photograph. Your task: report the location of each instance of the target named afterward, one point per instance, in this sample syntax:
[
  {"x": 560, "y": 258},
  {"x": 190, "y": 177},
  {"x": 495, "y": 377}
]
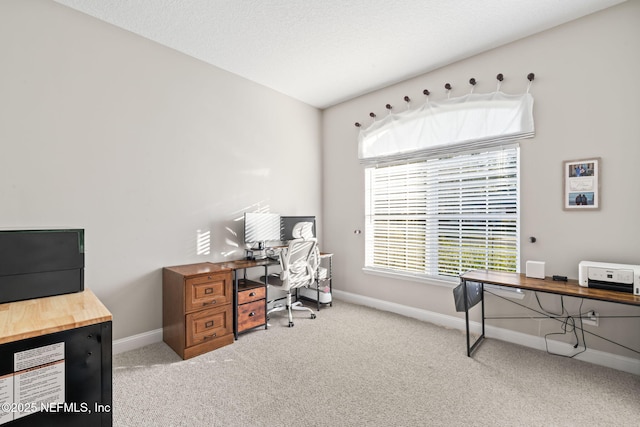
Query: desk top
[
  {"x": 246, "y": 263},
  {"x": 249, "y": 263},
  {"x": 199, "y": 268},
  {"x": 568, "y": 288},
  {"x": 42, "y": 316}
]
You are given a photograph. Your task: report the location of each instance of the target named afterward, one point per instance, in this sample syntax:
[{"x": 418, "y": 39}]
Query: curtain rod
[{"x": 448, "y": 87}]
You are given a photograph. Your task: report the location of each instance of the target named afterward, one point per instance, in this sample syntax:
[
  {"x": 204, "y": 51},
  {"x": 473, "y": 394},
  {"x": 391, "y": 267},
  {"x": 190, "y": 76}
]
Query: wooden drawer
[
  {"x": 206, "y": 325},
  {"x": 253, "y": 294},
  {"x": 251, "y": 315},
  {"x": 209, "y": 290}
]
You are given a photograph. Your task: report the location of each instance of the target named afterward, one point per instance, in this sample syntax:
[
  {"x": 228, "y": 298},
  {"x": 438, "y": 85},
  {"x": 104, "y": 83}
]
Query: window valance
[{"x": 469, "y": 122}]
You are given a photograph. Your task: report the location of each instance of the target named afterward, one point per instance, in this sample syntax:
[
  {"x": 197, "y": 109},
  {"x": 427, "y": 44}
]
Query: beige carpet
[{"x": 357, "y": 366}]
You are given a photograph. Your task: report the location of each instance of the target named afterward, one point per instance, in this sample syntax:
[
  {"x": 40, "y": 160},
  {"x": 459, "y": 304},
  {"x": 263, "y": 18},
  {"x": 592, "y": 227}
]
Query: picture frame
[{"x": 581, "y": 184}]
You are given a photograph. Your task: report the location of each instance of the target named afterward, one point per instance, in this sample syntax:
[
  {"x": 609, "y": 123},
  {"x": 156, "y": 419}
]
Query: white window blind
[{"x": 442, "y": 217}]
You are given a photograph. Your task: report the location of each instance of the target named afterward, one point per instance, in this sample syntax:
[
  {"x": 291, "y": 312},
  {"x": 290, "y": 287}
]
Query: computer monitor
[
  {"x": 287, "y": 223},
  {"x": 260, "y": 228}
]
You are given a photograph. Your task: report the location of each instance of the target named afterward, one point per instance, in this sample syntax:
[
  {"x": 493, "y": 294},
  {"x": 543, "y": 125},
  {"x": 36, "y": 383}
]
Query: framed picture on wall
[{"x": 581, "y": 184}]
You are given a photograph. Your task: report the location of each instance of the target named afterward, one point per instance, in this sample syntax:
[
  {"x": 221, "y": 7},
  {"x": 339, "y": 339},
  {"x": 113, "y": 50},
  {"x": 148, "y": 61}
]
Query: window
[{"x": 442, "y": 217}]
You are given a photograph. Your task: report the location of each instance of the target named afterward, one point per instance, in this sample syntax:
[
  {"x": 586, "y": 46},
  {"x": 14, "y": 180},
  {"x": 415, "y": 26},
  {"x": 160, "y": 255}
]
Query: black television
[
  {"x": 260, "y": 228},
  {"x": 287, "y": 223}
]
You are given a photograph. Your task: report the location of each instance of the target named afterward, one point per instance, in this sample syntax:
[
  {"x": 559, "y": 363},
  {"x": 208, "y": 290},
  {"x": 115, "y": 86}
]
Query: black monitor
[
  {"x": 261, "y": 227},
  {"x": 287, "y": 223}
]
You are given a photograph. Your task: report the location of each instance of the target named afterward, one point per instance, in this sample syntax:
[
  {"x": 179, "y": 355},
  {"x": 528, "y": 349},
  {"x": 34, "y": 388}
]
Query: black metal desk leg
[
  {"x": 331, "y": 280},
  {"x": 482, "y": 305},
  {"x": 266, "y": 297},
  {"x": 235, "y": 304},
  {"x": 472, "y": 347},
  {"x": 466, "y": 316}
]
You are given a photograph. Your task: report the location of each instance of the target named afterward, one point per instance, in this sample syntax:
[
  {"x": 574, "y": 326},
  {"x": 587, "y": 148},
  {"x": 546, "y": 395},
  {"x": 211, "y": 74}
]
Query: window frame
[{"x": 372, "y": 267}]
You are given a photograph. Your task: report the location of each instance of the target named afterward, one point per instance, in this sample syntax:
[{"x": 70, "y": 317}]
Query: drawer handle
[
  {"x": 253, "y": 313},
  {"x": 208, "y": 291},
  {"x": 208, "y": 303},
  {"x": 208, "y": 337},
  {"x": 208, "y": 324},
  {"x": 252, "y": 294}
]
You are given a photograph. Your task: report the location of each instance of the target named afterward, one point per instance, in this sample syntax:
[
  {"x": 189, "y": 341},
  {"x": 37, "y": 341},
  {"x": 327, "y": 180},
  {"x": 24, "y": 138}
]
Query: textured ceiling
[{"x": 323, "y": 52}]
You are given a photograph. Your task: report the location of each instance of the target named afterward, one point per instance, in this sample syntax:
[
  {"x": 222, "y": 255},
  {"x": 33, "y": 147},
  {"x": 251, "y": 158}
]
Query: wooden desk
[
  {"x": 206, "y": 305},
  {"x": 548, "y": 285},
  {"x": 69, "y": 339}
]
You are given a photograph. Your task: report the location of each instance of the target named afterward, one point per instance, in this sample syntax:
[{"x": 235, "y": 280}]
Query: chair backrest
[
  {"x": 304, "y": 230},
  {"x": 298, "y": 261}
]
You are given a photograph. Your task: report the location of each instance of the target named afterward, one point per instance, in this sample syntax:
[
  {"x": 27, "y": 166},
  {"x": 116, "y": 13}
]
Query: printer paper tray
[{"x": 620, "y": 287}]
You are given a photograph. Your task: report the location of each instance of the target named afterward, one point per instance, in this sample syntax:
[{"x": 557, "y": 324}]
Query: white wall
[
  {"x": 586, "y": 105},
  {"x": 142, "y": 147}
]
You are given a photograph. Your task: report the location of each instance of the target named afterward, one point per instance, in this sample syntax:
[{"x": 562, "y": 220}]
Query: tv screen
[
  {"x": 261, "y": 227},
  {"x": 287, "y": 223}
]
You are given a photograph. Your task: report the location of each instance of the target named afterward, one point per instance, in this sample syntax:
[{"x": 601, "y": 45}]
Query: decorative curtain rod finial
[
  {"x": 447, "y": 86},
  {"x": 408, "y": 101}
]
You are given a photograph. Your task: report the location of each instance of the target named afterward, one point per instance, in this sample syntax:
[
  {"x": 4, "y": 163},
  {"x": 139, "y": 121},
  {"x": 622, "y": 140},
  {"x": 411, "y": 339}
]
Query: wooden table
[
  {"x": 65, "y": 342},
  {"x": 548, "y": 285},
  {"x": 35, "y": 317}
]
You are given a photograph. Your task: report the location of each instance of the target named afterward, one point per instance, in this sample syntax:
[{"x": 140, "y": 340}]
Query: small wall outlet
[{"x": 591, "y": 318}]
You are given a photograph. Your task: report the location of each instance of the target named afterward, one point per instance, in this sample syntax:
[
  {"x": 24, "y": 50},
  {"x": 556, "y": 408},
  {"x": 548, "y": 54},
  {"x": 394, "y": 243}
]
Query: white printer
[{"x": 615, "y": 277}]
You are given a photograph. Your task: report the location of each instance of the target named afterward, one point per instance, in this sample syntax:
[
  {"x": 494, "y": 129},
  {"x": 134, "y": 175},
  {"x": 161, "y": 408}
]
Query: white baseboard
[
  {"x": 136, "y": 341},
  {"x": 621, "y": 363}
]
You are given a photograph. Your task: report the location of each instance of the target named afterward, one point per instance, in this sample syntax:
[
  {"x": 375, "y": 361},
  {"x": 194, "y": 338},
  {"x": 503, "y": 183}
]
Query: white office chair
[
  {"x": 299, "y": 265},
  {"x": 306, "y": 232}
]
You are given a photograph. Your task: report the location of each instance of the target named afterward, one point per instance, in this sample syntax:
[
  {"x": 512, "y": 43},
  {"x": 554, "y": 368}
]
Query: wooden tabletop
[
  {"x": 569, "y": 288},
  {"x": 241, "y": 264},
  {"x": 199, "y": 268},
  {"x": 41, "y": 316},
  {"x": 247, "y": 263}
]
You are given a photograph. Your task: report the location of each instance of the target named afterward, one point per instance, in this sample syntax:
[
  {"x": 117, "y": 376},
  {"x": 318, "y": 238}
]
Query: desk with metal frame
[
  {"x": 245, "y": 264},
  {"x": 548, "y": 285}
]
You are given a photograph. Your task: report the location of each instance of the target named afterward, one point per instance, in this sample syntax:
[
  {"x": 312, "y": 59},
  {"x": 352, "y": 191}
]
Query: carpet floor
[{"x": 358, "y": 366}]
